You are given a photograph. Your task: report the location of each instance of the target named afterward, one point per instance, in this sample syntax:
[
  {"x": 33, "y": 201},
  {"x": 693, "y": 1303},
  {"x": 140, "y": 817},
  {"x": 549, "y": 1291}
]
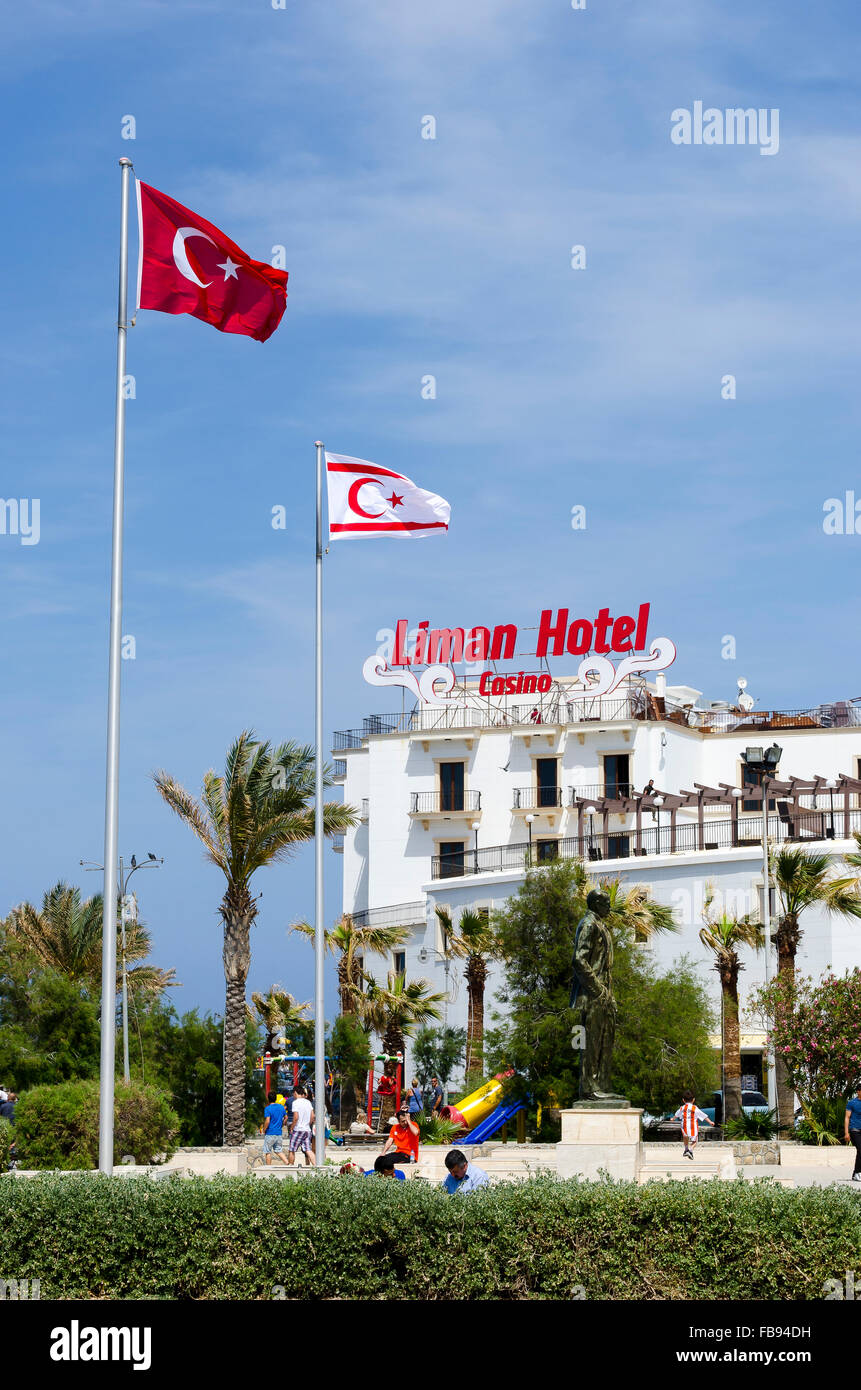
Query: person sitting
[
  {"x": 385, "y": 1166},
  {"x": 403, "y": 1138},
  {"x": 360, "y": 1126},
  {"x": 463, "y": 1176}
]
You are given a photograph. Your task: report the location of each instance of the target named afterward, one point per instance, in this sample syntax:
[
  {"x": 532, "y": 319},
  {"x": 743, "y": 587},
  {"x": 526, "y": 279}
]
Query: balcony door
[
  {"x": 546, "y": 777},
  {"x": 451, "y": 858},
  {"x": 617, "y": 777},
  {"x": 451, "y": 786}
]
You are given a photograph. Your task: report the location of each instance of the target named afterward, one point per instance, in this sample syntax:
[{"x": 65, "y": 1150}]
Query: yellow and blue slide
[{"x": 486, "y": 1111}]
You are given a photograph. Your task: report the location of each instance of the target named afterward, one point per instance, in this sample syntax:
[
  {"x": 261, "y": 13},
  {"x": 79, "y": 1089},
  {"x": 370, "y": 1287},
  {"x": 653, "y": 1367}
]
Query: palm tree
[
  {"x": 802, "y": 880},
  {"x": 277, "y": 1012},
  {"x": 724, "y": 935},
  {"x": 256, "y": 814},
  {"x": 634, "y": 912},
  {"x": 394, "y": 1011},
  {"x": 353, "y": 943},
  {"x": 66, "y": 936},
  {"x": 474, "y": 941}
]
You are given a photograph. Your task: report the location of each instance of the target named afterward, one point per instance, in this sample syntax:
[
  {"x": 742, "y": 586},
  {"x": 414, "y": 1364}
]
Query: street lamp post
[
  {"x": 475, "y": 826},
  {"x": 529, "y": 819},
  {"x": 128, "y": 913},
  {"x": 831, "y": 784},
  {"x": 765, "y": 763},
  {"x": 590, "y": 811}
]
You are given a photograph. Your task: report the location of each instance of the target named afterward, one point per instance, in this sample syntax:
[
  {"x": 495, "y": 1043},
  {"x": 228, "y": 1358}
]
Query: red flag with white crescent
[
  {"x": 366, "y": 500},
  {"x": 188, "y": 266}
]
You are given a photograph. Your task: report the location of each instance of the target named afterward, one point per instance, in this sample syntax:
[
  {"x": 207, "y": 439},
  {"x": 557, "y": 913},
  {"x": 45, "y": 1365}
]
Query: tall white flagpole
[
  {"x": 112, "y": 777},
  {"x": 319, "y": 940}
]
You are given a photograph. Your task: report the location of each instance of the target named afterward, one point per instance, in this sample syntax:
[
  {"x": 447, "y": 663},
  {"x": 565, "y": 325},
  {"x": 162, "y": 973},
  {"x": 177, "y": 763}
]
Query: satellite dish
[
  {"x": 746, "y": 702},
  {"x": 742, "y": 683}
]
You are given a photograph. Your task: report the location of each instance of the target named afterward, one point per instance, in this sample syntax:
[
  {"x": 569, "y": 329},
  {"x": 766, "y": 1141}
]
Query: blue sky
[{"x": 407, "y": 257}]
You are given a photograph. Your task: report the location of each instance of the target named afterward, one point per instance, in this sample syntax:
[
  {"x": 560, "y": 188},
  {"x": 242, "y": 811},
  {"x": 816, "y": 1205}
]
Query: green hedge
[
  {"x": 370, "y": 1238},
  {"x": 58, "y": 1126}
]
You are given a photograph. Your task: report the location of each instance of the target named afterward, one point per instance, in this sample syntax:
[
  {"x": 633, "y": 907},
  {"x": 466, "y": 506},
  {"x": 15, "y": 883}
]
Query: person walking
[
  {"x": 852, "y": 1127},
  {"x": 300, "y": 1134},
  {"x": 273, "y": 1129},
  {"x": 463, "y": 1176}
]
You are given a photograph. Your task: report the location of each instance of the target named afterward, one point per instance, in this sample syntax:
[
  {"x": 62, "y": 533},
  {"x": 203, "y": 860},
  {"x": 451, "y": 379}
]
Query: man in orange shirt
[{"x": 403, "y": 1138}]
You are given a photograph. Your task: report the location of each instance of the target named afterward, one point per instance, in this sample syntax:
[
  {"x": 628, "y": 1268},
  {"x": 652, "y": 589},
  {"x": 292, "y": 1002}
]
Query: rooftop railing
[
  {"x": 660, "y": 838},
  {"x": 399, "y": 915}
]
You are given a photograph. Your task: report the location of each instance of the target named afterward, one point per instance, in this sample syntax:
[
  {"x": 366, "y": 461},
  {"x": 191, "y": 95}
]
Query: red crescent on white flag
[{"x": 353, "y": 498}]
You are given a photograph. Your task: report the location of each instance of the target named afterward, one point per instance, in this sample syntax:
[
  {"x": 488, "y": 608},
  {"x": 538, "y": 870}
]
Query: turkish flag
[{"x": 187, "y": 266}]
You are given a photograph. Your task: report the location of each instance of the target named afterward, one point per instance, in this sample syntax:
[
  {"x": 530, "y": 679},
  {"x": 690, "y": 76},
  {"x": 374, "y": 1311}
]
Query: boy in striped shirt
[{"x": 690, "y": 1115}]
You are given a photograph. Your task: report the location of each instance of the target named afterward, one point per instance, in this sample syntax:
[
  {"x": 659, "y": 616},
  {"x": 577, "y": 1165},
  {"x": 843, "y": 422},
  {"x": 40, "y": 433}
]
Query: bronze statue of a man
[{"x": 592, "y": 995}]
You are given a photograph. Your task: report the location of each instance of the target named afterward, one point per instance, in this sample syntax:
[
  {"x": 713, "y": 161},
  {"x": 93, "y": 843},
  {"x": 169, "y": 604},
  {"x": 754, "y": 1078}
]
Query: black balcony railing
[
  {"x": 596, "y": 790},
  {"x": 536, "y": 798},
  {"x": 339, "y": 767},
  {"x": 657, "y": 838},
  {"x": 450, "y": 802}
]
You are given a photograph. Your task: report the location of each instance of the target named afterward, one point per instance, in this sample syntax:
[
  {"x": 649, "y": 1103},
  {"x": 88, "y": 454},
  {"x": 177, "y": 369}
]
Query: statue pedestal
[{"x": 600, "y": 1137}]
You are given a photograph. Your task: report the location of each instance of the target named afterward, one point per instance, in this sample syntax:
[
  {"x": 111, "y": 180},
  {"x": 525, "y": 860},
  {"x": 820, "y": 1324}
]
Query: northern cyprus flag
[{"x": 366, "y": 500}]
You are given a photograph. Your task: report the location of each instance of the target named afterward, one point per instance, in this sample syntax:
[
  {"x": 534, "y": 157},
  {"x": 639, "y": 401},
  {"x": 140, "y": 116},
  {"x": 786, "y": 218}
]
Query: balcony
[
  {"x": 537, "y": 799},
  {"x": 339, "y": 770},
  {"x": 365, "y": 812},
  {"x": 398, "y": 915},
  {"x": 682, "y": 838},
  {"x": 450, "y": 805},
  {"x": 595, "y": 790}
]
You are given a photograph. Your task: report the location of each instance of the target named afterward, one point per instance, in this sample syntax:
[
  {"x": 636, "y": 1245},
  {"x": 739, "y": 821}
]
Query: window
[
  {"x": 750, "y": 777},
  {"x": 546, "y": 775},
  {"x": 546, "y": 851},
  {"x": 451, "y": 858},
  {"x": 617, "y": 776},
  {"x": 400, "y": 962},
  {"x": 451, "y": 786}
]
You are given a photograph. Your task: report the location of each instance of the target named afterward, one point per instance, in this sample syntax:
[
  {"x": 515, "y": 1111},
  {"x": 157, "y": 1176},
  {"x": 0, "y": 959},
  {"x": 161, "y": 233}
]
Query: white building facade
[{"x": 649, "y": 785}]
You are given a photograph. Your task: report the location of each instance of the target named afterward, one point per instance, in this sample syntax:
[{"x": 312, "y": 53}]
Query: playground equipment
[
  {"x": 387, "y": 1090},
  {"x": 485, "y": 1110}
]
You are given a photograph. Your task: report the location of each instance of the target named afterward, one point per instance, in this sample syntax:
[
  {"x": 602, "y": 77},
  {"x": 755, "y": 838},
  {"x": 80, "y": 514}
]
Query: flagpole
[
  {"x": 112, "y": 774},
  {"x": 319, "y": 941}
]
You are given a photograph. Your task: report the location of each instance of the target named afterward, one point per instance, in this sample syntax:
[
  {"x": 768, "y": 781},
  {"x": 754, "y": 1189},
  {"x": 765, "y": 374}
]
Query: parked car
[{"x": 750, "y": 1101}]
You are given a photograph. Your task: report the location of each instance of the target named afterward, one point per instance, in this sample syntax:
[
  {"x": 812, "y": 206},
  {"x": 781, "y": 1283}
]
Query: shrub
[
  {"x": 58, "y": 1126},
  {"x": 752, "y": 1124},
  {"x": 822, "y": 1121},
  {"x": 321, "y": 1237},
  {"x": 7, "y": 1139},
  {"x": 434, "y": 1130}
]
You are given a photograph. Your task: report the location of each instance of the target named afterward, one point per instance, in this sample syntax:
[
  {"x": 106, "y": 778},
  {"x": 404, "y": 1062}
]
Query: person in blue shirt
[
  {"x": 385, "y": 1167},
  {"x": 853, "y": 1129},
  {"x": 417, "y": 1103},
  {"x": 273, "y": 1129},
  {"x": 463, "y": 1176}
]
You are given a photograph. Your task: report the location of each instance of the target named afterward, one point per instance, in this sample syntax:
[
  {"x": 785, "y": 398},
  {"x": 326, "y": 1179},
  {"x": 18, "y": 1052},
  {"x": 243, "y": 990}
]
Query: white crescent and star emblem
[{"x": 183, "y": 264}]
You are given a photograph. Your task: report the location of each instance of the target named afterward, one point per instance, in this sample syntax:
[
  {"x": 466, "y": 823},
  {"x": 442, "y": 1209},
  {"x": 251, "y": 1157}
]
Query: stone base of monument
[{"x": 600, "y": 1137}]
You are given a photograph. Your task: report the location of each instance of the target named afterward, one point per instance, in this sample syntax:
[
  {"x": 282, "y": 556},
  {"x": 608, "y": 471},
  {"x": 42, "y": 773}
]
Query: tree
[
  {"x": 723, "y": 935},
  {"x": 438, "y": 1052},
  {"x": 536, "y": 931},
  {"x": 802, "y": 879},
  {"x": 352, "y": 943},
  {"x": 256, "y": 814},
  {"x": 662, "y": 1039},
  {"x": 66, "y": 936},
  {"x": 394, "y": 1011},
  {"x": 277, "y": 1012},
  {"x": 474, "y": 941},
  {"x": 815, "y": 1028},
  {"x": 351, "y": 1054}
]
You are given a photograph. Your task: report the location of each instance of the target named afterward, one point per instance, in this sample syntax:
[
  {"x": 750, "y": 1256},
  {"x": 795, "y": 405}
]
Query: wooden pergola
[{"x": 786, "y": 793}]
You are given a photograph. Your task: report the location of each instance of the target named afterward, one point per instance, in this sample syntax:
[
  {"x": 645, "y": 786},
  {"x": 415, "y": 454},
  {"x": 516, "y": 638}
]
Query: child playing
[{"x": 689, "y": 1114}]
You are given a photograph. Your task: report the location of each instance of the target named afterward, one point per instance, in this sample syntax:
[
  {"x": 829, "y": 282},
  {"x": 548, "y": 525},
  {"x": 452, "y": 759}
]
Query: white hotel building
[{"x": 648, "y": 784}]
